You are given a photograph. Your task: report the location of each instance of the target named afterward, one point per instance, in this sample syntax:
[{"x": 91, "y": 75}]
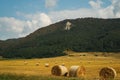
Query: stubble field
[{"x": 34, "y": 69}]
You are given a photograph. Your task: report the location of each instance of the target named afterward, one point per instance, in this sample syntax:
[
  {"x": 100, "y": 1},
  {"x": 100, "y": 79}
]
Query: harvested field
[{"x": 93, "y": 65}]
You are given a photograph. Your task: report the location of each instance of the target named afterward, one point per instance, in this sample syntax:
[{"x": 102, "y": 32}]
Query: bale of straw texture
[
  {"x": 77, "y": 71},
  {"x": 25, "y": 63},
  {"x": 107, "y": 73},
  {"x": 59, "y": 70},
  {"x": 63, "y": 64},
  {"x": 46, "y": 64},
  {"x": 37, "y": 64}
]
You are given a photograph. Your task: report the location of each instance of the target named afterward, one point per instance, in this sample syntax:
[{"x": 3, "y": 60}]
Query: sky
[{"x": 19, "y": 18}]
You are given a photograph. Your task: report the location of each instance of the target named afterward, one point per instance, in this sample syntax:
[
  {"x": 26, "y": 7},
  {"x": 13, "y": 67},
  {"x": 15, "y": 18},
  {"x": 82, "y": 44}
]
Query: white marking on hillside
[{"x": 68, "y": 26}]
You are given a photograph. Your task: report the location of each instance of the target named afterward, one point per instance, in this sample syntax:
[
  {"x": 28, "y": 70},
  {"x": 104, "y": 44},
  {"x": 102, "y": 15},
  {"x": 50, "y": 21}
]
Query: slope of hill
[{"x": 86, "y": 35}]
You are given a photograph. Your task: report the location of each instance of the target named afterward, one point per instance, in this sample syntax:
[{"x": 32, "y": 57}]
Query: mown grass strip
[{"x": 24, "y": 77}]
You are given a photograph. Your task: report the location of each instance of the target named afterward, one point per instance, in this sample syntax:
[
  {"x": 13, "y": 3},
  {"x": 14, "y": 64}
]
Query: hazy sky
[{"x": 18, "y": 18}]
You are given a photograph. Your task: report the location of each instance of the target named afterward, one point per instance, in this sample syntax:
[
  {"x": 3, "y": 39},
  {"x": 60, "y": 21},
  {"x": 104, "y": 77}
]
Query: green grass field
[{"x": 16, "y": 69}]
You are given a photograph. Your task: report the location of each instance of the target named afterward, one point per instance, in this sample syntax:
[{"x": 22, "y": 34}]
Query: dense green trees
[{"x": 87, "y": 34}]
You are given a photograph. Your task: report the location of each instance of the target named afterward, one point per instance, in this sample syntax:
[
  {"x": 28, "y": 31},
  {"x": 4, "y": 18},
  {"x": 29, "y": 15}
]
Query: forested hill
[{"x": 85, "y": 35}]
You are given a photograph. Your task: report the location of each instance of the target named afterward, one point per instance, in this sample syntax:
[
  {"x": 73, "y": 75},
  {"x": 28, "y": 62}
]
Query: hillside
[{"x": 85, "y": 35}]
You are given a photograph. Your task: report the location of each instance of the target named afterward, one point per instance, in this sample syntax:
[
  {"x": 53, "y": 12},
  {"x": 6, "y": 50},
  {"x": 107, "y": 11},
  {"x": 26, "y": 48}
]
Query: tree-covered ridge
[{"x": 86, "y": 34}]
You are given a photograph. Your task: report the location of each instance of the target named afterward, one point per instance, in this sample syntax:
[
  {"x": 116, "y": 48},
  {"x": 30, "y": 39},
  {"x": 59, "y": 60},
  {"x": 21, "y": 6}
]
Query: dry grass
[
  {"x": 107, "y": 73},
  {"x": 59, "y": 70},
  {"x": 92, "y": 63},
  {"x": 77, "y": 71}
]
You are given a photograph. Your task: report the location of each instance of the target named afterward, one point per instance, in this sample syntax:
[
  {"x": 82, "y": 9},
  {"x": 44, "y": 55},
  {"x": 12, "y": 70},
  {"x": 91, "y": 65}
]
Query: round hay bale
[
  {"x": 77, "y": 71},
  {"x": 46, "y": 65},
  {"x": 25, "y": 62},
  {"x": 59, "y": 70},
  {"x": 37, "y": 64},
  {"x": 63, "y": 64},
  {"x": 107, "y": 73}
]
